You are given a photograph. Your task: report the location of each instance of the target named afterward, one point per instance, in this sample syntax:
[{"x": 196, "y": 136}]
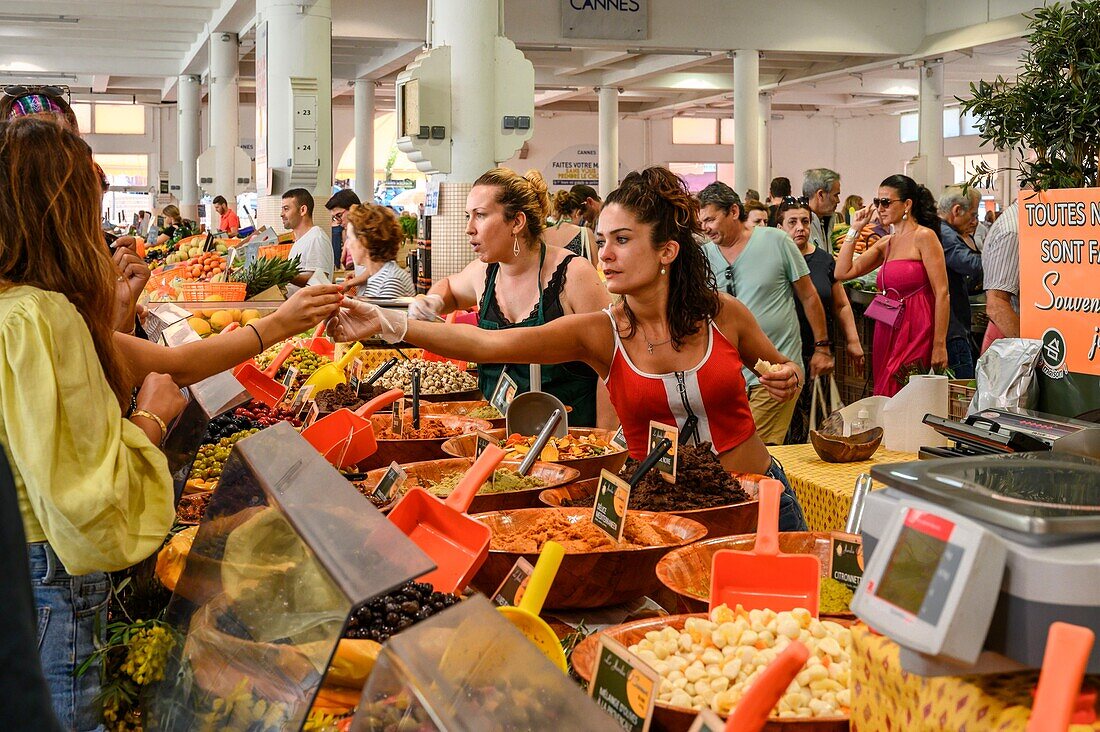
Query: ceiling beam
[
  {"x": 394, "y": 59},
  {"x": 592, "y": 60},
  {"x": 650, "y": 66}
]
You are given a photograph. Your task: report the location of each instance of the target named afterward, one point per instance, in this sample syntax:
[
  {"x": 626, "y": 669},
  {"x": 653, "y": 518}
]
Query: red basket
[{"x": 227, "y": 291}]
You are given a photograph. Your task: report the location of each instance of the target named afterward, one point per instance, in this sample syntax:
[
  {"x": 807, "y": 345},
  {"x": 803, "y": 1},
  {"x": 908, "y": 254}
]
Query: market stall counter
[{"x": 825, "y": 489}]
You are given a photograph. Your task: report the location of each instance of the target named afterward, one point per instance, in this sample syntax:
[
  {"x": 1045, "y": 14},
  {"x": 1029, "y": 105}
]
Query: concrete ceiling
[{"x": 137, "y": 48}]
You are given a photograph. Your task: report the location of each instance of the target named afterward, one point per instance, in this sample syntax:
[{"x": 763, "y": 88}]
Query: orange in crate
[
  {"x": 227, "y": 291},
  {"x": 275, "y": 251}
]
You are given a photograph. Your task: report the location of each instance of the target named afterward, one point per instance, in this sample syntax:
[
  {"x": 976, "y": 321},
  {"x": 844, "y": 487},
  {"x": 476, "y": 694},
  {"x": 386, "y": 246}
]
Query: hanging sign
[
  {"x": 1059, "y": 265},
  {"x": 612, "y": 19}
]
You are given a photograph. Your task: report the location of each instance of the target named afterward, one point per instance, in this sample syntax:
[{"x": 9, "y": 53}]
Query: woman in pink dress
[{"x": 913, "y": 271}]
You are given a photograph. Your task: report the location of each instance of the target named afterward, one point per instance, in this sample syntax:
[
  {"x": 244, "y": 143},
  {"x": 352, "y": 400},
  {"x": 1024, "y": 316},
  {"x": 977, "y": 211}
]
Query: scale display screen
[{"x": 911, "y": 569}]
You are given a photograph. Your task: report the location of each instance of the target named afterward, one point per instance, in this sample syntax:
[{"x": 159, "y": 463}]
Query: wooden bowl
[
  {"x": 433, "y": 470},
  {"x": 592, "y": 579},
  {"x": 464, "y": 445},
  {"x": 667, "y": 718},
  {"x": 837, "y": 449},
  {"x": 734, "y": 518},
  {"x": 461, "y": 409},
  {"x": 411, "y": 451},
  {"x": 686, "y": 571}
]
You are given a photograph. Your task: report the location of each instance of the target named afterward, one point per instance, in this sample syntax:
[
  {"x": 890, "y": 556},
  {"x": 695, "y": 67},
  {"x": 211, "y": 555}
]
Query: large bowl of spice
[
  {"x": 475, "y": 408},
  {"x": 408, "y": 445},
  {"x": 725, "y": 503},
  {"x": 506, "y": 489},
  {"x": 587, "y": 449},
  {"x": 686, "y": 571},
  {"x": 596, "y": 570}
]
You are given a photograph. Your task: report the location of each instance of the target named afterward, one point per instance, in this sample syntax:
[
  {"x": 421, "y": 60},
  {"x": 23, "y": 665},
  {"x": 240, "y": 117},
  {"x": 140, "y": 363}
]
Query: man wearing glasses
[
  {"x": 821, "y": 189},
  {"x": 338, "y": 207},
  {"x": 763, "y": 269}
]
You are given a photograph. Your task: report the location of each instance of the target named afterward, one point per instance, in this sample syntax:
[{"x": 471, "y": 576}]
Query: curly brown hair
[
  {"x": 377, "y": 230},
  {"x": 526, "y": 194},
  {"x": 659, "y": 197}
]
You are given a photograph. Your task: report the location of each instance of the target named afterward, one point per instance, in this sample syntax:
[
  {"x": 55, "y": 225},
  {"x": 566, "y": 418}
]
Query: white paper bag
[{"x": 902, "y": 417}]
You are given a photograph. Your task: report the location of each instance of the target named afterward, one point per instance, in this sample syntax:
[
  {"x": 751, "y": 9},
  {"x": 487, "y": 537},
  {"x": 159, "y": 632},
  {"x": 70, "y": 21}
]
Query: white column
[
  {"x": 470, "y": 28},
  {"x": 224, "y": 113},
  {"x": 609, "y": 140},
  {"x": 364, "y": 139},
  {"x": 746, "y": 120},
  {"x": 930, "y": 140},
  {"x": 765, "y": 144},
  {"x": 187, "y": 133},
  {"x": 299, "y": 46}
]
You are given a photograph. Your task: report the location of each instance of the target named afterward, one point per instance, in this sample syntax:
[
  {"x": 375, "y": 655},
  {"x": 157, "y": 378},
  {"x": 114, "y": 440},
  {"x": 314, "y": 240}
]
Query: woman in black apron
[{"x": 520, "y": 282}]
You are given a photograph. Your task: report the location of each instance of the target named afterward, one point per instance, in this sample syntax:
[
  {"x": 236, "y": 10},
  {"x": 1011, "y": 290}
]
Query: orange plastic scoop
[
  {"x": 754, "y": 708},
  {"x": 456, "y": 543},
  {"x": 329, "y": 435},
  {"x": 261, "y": 384},
  {"x": 319, "y": 344},
  {"x": 1064, "y": 662},
  {"x": 765, "y": 578}
]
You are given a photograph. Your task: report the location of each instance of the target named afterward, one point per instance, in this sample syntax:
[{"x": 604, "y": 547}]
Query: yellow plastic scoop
[
  {"x": 526, "y": 616},
  {"x": 332, "y": 375}
]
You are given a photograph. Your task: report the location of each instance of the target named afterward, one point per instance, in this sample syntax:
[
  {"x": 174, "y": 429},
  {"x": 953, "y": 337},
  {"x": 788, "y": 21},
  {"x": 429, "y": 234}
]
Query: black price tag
[
  {"x": 666, "y": 466},
  {"x": 619, "y": 438},
  {"x": 707, "y": 721},
  {"x": 391, "y": 481},
  {"x": 503, "y": 392},
  {"x": 609, "y": 509},
  {"x": 301, "y": 398},
  {"x": 483, "y": 441},
  {"x": 355, "y": 375},
  {"x": 624, "y": 686},
  {"x": 846, "y": 565},
  {"x": 397, "y": 426},
  {"x": 311, "y": 415},
  {"x": 289, "y": 377},
  {"x": 512, "y": 588}
]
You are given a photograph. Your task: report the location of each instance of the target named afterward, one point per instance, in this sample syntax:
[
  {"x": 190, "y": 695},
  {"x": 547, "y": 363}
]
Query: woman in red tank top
[{"x": 670, "y": 349}]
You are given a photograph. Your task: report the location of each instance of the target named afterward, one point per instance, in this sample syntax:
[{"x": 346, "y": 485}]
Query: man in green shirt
[{"x": 763, "y": 269}]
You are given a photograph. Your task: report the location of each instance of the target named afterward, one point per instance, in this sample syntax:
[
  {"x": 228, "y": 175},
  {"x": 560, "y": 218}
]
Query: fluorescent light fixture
[
  {"x": 20, "y": 18},
  {"x": 51, "y": 75}
]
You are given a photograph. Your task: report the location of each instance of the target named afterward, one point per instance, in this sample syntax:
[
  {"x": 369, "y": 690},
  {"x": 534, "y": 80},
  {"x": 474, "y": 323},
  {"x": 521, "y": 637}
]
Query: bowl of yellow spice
[
  {"x": 504, "y": 490},
  {"x": 686, "y": 571}
]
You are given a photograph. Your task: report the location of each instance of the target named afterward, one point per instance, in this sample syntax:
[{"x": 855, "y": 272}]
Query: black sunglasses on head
[
  {"x": 792, "y": 201},
  {"x": 49, "y": 90}
]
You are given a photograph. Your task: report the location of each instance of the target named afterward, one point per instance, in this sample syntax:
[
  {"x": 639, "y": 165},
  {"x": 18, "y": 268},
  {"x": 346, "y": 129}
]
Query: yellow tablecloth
[
  {"x": 825, "y": 489},
  {"x": 886, "y": 698}
]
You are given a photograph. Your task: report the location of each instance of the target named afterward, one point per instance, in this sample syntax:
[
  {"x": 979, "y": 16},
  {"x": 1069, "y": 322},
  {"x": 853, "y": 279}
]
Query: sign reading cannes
[{"x": 616, "y": 19}]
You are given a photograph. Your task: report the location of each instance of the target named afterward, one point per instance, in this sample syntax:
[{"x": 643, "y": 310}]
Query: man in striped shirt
[{"x": 1001, "y": 266}]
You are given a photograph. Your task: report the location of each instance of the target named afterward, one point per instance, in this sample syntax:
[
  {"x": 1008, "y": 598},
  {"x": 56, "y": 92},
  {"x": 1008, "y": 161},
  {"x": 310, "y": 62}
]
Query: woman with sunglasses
[
  {"x": 795, "y": 218},
  {"x": 671, "y": 349},
  {"x": 912, "y": 271}
]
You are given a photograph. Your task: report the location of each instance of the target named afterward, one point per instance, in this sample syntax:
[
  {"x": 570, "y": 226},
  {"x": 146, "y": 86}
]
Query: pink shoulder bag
[{"x": 883, "y": 308}]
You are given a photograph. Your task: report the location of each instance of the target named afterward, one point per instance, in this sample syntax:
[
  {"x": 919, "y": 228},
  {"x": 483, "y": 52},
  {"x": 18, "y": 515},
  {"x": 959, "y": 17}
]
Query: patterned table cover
[
  {"x": 886, "y": 699},
  {"x": 825, "y": 489}
]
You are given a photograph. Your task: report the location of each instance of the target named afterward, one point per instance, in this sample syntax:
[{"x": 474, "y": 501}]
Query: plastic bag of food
[
  {"x": 352, "y": 663},
  {"x": 173, "y": 557},
  {"x": 1005, "y": 376}
]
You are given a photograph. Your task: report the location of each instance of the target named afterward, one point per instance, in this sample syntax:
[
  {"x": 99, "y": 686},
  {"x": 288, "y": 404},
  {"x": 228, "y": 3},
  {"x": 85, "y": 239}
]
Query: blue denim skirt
[{"x": 70, "y": 610}]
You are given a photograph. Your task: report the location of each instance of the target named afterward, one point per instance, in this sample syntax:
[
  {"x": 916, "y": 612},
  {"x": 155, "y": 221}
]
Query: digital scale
[{"x": 970, "y": 559}]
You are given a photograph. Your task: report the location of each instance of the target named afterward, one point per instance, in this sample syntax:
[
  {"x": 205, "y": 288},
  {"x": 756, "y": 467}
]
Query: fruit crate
[
  {"x": 227, "y": 291},
  {"x": 275, "y": 251},
  {"x": 960, "y": 392}
]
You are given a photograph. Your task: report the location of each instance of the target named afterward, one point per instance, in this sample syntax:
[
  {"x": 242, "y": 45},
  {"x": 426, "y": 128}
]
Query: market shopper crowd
[{"x": 714, "y": 314}]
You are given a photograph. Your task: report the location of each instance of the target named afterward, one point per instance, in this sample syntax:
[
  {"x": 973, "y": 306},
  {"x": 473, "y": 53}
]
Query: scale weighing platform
[{"x": 971, "y": 559}]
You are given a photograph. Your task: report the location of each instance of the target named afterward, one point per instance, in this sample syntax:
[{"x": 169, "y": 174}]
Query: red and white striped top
[{"x": 713, "y": 392}]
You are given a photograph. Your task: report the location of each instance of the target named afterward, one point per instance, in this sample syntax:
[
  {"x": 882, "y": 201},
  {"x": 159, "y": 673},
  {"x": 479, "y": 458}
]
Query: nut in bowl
[
  {"x": 428, "y": 443},
  {"x": 840, "y": 449},
  {"x": 706, "y": 661},
  {"x": 610, "y": 456},
  {"x": 595, "y": 571}
]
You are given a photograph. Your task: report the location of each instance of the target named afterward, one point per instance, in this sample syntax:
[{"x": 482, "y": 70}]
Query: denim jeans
[
  {"x": 791, "y": 517},
  {"x": 960, "y": 358},
  {"x": 67, "y": 610}
]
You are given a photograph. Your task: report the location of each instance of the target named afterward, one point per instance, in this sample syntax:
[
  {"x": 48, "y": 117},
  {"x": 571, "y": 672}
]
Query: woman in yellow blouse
[{"x": 93, "y": 488}]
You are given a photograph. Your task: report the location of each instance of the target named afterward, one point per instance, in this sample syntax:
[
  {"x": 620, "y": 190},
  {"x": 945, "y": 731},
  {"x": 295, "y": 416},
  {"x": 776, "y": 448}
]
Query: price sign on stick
[
  {"x": 666, "y": 466},
  {"x": 707, "y": 721},
  {"x": 619, "y": 438},
  {"x": 397, "y": 426},
  {"x": 483, "y": 441},
  {"x": 624, "y": 686},
  {"x": 511, "y": 589},
  {"x": 503, "y": 392},
  {"x": 609, "y": 510},
  {"x": 391, "y": 481}
]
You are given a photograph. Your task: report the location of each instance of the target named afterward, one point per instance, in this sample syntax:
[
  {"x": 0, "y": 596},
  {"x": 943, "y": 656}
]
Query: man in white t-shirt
[{"x": 311, "y": 244}]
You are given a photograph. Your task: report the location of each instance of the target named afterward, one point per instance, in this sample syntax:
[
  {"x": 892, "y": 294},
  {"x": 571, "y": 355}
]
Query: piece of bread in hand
[{"x": 766, "y": 367}]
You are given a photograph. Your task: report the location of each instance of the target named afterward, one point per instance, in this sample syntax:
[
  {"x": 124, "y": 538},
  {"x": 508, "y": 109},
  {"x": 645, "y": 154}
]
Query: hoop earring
[{"x": 515, "y": 246}]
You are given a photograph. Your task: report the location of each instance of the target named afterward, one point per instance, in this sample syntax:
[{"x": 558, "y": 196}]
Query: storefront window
[
  {"x": 965, "y": 165},
  {"x": 119, "y": 119},
  {"x": 125, "y": 170}
]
